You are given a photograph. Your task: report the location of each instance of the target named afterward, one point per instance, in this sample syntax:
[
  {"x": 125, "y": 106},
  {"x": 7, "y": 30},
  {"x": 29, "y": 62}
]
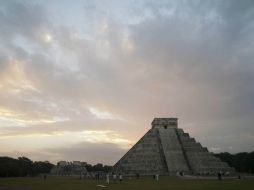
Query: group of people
[
  {"x": 156, "y": 177},
  {"x": 115, "y": 178},
  {"x": 179, "y": 173},
  {"x": 119, "y": 177}
]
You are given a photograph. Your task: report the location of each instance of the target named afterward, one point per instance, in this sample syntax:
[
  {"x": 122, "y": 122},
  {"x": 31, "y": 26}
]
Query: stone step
[{"x": 172, "y": 150}]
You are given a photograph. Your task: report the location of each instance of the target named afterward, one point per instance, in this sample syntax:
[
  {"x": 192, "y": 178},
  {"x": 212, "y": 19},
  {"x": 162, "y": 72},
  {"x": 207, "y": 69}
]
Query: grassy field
[{"x": 170, "y": 183}]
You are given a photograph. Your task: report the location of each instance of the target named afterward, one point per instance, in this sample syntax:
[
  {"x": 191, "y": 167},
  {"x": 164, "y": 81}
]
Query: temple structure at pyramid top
[
  {"x": 166, "y": 150},
  {"x": 164, "y": 122}
]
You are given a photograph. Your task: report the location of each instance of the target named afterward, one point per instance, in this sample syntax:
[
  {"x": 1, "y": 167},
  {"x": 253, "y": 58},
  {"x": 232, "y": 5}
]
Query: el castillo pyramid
[{"x": 166, "y": 149}]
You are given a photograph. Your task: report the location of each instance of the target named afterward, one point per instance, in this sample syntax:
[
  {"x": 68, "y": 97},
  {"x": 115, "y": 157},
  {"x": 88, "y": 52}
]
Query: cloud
[
  {"x": 92, "y": 153},
  {"x": 116, "y": 70},
  {"x": 105, "y": 153},
  {"x": 103, "y": 114}
]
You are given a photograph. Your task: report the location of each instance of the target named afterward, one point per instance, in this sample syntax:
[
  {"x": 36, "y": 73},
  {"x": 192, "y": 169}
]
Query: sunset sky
[{"x": 83, "y": 80}]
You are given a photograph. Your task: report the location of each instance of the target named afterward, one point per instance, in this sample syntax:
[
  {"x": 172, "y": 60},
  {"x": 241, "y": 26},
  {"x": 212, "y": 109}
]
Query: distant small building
[
  {"x": 69, "y": 168},
  {"x": 76, "y": 163},
  {"x": 62, "y": 163}
]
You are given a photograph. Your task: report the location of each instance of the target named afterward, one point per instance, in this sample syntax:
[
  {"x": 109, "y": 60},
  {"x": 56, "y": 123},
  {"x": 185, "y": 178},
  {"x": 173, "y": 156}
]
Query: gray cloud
[
  {"x": 189, "y": 59},
  {"x": 105, "y": 153},
  {"x": 92, "y": 153}
]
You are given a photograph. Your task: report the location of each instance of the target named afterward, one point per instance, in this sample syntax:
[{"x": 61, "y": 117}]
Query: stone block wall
[{"x": 165, "y": 149}]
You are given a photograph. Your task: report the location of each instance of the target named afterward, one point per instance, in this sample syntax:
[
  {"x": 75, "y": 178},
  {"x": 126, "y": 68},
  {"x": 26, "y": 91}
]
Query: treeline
[
  {"x": 242, "y": 162},
  {"x": 98, "y": 167},
  {"x": 21, "y": 167},
  {"x": 10, "y": 167}
]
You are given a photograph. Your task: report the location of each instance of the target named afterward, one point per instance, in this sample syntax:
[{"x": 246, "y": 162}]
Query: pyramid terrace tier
[{"x": 166, "y": 150}]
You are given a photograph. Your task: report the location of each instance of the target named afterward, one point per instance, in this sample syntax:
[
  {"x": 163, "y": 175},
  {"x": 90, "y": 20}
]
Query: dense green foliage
[
  {"x": 10, "y": 167},
  {"x": 147, "y": 183},
  {"x": 242, "y": 162}
]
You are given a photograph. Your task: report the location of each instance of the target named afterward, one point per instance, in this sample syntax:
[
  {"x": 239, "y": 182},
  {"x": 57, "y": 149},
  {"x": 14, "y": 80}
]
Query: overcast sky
[{"x": 83, "y": 80}]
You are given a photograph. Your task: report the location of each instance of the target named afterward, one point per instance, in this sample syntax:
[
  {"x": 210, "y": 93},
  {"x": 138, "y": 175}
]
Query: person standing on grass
[
  {"x": 114, "y": 178},
  {"x": 219, "y": 175},
  {"x": 120, "y": 178},
  {"x": 157, "y": 177},
  {"x": 107, "y": 178}
]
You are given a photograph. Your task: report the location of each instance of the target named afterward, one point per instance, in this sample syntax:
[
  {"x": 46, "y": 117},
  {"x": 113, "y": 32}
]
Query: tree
[
  {"x": 10, "y": 167},
  {"x": 242, "y": 162}
]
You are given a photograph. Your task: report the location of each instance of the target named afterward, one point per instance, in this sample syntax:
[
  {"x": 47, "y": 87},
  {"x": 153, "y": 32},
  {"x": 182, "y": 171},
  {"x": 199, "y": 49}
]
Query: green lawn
[{"x": 171, "y": 183}]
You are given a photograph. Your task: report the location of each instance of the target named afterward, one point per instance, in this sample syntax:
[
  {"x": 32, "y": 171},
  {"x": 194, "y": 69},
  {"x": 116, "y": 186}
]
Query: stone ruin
[
  {"x": 64, "y": 168},
  {"x": 167, "y": 150}
]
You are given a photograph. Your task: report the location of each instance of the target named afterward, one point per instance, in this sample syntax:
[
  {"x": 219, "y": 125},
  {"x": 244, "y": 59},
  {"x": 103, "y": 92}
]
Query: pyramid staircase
[{"x": 165, "y": 149}]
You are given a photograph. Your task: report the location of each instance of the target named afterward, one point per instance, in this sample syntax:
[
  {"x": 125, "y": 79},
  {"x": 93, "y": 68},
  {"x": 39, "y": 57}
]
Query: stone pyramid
[{"x": 165, "y": 149}]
